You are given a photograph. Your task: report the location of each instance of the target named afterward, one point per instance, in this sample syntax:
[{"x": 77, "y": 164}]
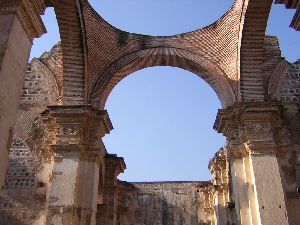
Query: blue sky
[{"x": 163, "y": 116}]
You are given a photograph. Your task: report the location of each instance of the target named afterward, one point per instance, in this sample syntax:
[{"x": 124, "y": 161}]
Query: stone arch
[{"x": 212, "y": 74}]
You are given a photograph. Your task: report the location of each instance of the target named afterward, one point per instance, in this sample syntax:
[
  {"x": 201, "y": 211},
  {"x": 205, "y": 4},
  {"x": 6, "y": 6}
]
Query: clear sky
[{"x": 163, "y": 116}]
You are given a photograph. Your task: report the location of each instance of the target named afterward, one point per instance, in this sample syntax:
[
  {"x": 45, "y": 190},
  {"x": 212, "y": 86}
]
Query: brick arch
[
  {"x": 189, "y": 61},
  {"x": 71, "y": 28},
  {"x": 252, "y": 34}
]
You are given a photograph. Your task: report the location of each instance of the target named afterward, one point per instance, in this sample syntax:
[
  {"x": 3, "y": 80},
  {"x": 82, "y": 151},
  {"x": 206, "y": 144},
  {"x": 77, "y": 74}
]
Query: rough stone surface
[{"x": 161, "y": 203}]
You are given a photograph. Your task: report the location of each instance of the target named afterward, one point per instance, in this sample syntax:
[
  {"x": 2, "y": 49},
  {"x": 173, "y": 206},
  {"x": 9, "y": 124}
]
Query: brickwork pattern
[
  {"x": 210, "y": 52},
  {"x": 69, "y": 18},
  {"x": 229, "y": 54}
]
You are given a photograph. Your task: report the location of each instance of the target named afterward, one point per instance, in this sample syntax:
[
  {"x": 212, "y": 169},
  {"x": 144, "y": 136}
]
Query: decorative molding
[
  {"x": 76, "y": 131},
  {"x": 249, "y": 128},
  {"x": 261, "y": 148}
]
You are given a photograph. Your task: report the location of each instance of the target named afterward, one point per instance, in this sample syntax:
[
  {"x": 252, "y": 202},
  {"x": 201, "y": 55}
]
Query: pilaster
[
  {"x": 114, "y": 165},
  {"x": 249, "y": 128},
  {"x": 77, "y": 150}
]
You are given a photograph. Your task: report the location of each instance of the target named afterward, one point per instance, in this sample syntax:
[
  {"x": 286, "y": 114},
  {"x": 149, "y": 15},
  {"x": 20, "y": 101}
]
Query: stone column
[
  {"x": 77, "y": 151},
  {"x": 259, "y": 174},
  {"x": 20, "y": 22}
]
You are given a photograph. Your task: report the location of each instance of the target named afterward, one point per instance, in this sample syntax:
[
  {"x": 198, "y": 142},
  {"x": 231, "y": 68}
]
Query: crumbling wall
[{"x": 161, "y": 203}]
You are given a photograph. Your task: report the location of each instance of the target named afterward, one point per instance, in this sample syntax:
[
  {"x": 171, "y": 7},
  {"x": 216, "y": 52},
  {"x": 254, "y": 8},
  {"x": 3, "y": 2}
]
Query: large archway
[{"x": 162, "y": 116}]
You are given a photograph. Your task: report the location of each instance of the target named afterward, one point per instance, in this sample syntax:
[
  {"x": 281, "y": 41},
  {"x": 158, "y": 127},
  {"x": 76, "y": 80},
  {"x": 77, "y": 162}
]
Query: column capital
[
  {"x": 249, "y": 127},
  {"x": 28, "y": 12},
  {"x": 258, "y": 115},
  {"x": 77, "y": 130}
]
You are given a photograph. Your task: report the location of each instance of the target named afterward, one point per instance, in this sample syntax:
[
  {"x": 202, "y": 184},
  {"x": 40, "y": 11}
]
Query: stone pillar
[
  {"x": 77, "y": 151},
  {"x": 253, "y": 125},
  {"x": 20, "y": 22},
  {"x": 113, "y": 167},
  {"x": 240, "y": 190},
  {"x": 251, "y": 192}
]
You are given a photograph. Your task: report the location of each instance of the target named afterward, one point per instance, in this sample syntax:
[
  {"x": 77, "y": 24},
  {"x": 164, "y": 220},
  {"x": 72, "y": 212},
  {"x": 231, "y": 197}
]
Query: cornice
[{"x": 29, "y": 14}]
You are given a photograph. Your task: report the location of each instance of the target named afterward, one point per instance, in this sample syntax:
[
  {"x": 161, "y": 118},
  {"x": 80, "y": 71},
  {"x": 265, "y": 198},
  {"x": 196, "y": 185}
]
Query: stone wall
[{"x": 161, "y": 203}]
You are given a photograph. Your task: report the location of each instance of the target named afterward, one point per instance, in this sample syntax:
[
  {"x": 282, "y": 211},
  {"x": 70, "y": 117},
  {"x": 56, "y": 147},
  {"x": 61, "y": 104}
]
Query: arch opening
[
  {"x": 159, "y": 129},
  {"x": 160, "y": 18}
]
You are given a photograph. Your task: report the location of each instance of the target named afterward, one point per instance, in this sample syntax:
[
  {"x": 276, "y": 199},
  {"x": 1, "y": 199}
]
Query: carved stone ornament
[
  {"x": 258, "y": 128},
  {"x": 76, "y": 131}
]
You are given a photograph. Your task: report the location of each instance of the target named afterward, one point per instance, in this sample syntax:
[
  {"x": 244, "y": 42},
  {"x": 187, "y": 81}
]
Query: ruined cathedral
[{"x": 54, "y": 167}]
